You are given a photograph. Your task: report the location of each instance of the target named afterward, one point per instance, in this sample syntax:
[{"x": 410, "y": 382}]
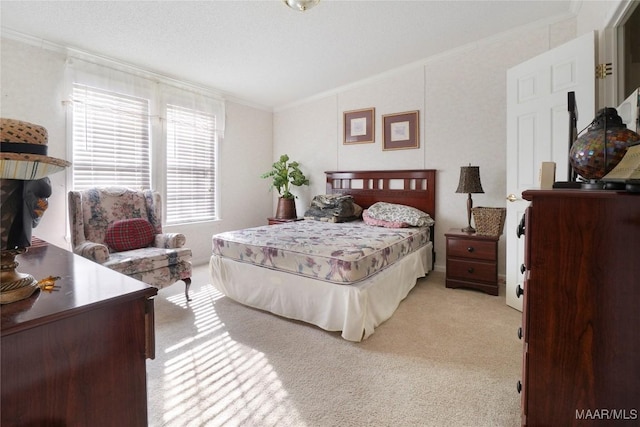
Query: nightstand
[
  {"x": 472, "y": 261},
  {"x": 273, "y": 221}
]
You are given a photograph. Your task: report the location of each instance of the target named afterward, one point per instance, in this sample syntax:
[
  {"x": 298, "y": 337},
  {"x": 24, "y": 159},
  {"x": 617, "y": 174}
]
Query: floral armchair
[{"x": 121, "y": 229}]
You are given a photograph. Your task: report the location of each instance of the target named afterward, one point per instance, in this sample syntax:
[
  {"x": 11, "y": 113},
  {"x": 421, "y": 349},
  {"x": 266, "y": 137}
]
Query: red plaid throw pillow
[{"x": 128, "y": 234}]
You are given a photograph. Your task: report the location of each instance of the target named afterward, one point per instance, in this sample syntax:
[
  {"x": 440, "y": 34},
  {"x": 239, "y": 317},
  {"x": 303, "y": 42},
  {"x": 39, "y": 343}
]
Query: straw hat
[{"x": 23, "y": 153}]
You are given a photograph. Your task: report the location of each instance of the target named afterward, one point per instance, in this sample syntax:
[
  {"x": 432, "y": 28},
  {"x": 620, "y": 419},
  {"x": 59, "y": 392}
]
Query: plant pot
[{"x": 286, "y": 208}]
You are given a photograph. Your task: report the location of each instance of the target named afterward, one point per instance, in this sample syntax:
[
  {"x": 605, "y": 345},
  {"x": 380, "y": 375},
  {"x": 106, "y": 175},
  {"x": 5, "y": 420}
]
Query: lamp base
[
  {"x": 14, "y": 286},
  {"x": 469, "y": 229},
  {"x": 592, "y": 184}
]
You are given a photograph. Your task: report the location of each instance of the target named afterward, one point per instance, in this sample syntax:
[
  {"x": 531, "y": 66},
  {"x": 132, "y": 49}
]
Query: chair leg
[{"x": 187, "y": 284}]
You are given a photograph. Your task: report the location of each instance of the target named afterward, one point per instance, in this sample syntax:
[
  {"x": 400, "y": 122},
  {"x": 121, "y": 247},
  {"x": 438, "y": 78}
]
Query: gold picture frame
[
  {"x": 359, "y": 126},
  {"x": 401, "y": 131}
]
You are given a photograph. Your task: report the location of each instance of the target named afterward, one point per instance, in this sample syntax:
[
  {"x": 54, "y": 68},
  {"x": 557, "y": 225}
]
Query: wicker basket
[{"x": 489, "y": 221}]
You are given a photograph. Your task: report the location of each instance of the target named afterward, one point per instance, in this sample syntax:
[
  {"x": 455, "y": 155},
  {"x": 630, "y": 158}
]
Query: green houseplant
[{"x": 285, "y": 174}]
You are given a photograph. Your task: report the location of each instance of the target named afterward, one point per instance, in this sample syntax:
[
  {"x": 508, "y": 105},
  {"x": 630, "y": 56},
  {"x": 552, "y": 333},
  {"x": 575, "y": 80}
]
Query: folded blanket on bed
[{"x": 333, "y": 208}]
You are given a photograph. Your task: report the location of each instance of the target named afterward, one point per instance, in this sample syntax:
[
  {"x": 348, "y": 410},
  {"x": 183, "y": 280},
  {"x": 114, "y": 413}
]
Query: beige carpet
[{"x": 446, "y": 358}]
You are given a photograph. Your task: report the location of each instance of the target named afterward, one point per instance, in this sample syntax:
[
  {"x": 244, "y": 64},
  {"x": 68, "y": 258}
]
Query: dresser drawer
[
  {"x": 471, "y": 249},
  {"x": 475, "y": 271}
]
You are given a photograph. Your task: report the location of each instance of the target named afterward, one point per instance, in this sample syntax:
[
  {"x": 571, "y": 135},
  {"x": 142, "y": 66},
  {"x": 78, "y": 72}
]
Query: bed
[{"x": 351, "y": 286}]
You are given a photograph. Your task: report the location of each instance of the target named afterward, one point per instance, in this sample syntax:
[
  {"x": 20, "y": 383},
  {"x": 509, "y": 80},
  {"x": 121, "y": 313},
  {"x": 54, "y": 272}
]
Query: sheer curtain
[
  {"x": 193, "y": 125},
  {"x": 138, "y": 129}
]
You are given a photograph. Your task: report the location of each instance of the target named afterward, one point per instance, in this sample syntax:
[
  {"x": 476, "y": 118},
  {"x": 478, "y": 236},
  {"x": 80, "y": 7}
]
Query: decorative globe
[{"x": 587, "y": 154}]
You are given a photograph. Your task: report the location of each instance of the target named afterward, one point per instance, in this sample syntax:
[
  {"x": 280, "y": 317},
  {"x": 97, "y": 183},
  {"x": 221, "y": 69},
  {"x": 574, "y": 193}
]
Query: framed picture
[
  {"x": 401, "y": 131},
  {"x": 359, "y": 126}
]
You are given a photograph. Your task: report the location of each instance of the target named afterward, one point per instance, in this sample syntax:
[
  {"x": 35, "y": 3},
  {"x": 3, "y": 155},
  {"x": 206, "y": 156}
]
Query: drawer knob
[
  {"x": 470, "y": 270},
  {"x": 520, "y": 332},
  {"x": 519, "y": 387},
  {"x": 523, "y": 268},
  {"x": 470, "y": 249},
  {"x": 520, "y": 229},
  {"x": 519, "y": 291}
]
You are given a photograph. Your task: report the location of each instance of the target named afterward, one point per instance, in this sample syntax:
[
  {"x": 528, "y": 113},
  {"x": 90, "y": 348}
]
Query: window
[
  {"x": 111, "y": 139},
  {"x": 191, "y": 150},
  {"x": 136, "y": 129}
]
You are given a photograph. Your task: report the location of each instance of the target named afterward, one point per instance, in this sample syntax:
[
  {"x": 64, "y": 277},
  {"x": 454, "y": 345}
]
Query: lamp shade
[{"x": 469, "y": 180}]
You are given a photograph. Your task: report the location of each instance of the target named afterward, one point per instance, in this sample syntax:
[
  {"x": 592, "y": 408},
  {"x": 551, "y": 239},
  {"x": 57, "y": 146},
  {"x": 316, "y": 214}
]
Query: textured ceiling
[{"x": 262, "y": 52}]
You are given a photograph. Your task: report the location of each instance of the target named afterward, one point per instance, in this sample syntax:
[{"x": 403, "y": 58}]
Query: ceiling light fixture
[{"x": 301, "y": 5}]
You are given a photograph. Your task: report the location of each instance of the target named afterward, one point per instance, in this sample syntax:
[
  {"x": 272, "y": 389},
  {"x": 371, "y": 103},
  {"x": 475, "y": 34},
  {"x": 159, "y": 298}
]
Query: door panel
[{"x": 538, "y": 130}]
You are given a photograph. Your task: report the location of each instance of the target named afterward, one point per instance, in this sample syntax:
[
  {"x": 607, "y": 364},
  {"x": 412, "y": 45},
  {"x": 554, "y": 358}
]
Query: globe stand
[{"x": 592, "y": 184}]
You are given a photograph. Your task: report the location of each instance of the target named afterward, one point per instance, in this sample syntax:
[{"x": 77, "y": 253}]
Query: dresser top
[
  {"x": 82, "y": 285},
  {"x": 579, "y": 193}
]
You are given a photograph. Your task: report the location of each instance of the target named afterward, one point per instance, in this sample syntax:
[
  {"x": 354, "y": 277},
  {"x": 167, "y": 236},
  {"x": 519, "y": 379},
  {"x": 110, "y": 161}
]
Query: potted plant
[{"x": 284, "y": 174}]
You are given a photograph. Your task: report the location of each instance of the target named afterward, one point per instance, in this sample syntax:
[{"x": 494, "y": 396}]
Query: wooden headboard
[{"x": 415, "y": 188}]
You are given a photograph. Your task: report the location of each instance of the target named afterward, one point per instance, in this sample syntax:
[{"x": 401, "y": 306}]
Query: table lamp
[{"x": 469, "y": 183}]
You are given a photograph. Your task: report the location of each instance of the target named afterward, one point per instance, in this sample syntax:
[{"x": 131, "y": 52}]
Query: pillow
[
  {"x": 400, "y": 213},
  {"x": 381, "y": 223},
  {"x": 128, "y": 234}
]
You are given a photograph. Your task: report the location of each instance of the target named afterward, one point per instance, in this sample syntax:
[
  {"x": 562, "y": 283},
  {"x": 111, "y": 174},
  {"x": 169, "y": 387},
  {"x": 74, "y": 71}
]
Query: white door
[
  {"x": 538, "y": 130},
  {"x": 629, "y": 110}
]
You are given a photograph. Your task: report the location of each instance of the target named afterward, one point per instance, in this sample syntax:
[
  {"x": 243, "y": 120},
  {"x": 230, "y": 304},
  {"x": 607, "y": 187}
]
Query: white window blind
[
  {"x": 191, "y": 165},
  {"x": 111, "y": 139}
]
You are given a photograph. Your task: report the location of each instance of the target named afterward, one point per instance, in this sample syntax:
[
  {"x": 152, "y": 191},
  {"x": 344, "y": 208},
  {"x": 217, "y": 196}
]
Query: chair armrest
[
  {"x": 170, "y": 240},
  {"x": 93, "y": 251}
]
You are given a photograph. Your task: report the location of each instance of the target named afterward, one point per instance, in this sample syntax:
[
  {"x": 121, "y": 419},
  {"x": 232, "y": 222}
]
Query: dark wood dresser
[
  {"x": 581, "y": 312},
  {"x": 76, "y": 356}
]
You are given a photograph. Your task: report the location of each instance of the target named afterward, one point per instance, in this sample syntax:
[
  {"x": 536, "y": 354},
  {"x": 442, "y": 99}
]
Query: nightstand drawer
[
  {"x": 471, "y": 270},
  {"x": 471, "y": 249}
]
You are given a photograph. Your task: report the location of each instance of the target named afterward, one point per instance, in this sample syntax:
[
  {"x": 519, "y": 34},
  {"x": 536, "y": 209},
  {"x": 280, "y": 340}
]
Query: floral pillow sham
[
  {"x": 382, "y": 223},
  {"x": 395, "y": 213}
]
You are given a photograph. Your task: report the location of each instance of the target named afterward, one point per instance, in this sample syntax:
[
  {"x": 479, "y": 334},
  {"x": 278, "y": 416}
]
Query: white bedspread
[{"x": 356, "y": 309}]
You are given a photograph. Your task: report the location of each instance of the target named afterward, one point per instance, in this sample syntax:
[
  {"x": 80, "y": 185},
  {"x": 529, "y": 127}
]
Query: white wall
[
  {"x": 32, "y": 91},
  {"x": 461, "y": 98}
]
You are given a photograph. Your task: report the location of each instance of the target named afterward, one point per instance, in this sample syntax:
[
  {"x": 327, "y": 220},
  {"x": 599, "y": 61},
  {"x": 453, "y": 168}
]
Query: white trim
[
  {"x": 614, "y": 23},
  {"x": 619, "y": 15},
  {"x": 425, "y": 61},
  {"x": 130, "y": 68},
  {"x": 575, "y": 6}
]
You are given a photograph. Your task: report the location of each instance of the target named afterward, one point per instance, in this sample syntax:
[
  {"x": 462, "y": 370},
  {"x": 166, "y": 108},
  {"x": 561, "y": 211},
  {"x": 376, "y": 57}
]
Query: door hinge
[{"x": 604, "y": 70}]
